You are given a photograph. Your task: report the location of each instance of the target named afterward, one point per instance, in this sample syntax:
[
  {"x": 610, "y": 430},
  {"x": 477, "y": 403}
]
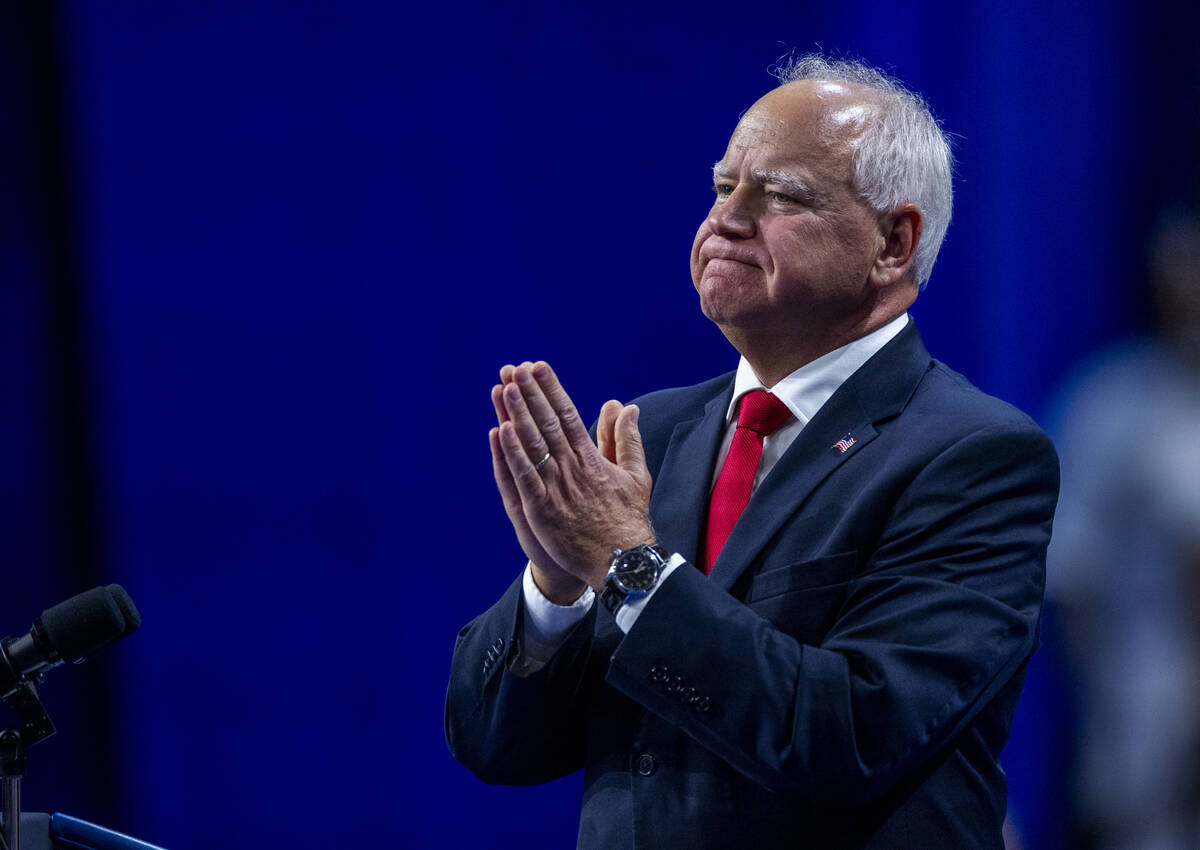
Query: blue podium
[{"x": 59, "y": 831}]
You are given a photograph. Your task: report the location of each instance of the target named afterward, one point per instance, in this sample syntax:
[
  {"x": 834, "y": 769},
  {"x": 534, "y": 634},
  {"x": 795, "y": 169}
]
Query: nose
[{"x": 731, "y": 216}]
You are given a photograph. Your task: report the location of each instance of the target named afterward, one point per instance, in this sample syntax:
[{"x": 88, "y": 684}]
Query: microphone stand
[
  {"x": 12, "y": 767},
  {"x": 35, "y": 726}
]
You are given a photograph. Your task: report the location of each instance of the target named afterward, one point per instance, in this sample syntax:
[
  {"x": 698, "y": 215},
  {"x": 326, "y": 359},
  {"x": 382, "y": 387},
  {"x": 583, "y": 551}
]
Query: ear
[{"x": 901, "y": 232}]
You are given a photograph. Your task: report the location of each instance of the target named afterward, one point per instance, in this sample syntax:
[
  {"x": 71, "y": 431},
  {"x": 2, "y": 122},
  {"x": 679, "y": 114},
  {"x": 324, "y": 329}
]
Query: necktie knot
[{"x": 762, "y": 413}]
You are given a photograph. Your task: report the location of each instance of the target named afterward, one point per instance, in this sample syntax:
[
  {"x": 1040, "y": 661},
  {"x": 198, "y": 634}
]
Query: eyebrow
[
  {"x": 720, "y": 169},
  {"x": 789, "y": 183}
]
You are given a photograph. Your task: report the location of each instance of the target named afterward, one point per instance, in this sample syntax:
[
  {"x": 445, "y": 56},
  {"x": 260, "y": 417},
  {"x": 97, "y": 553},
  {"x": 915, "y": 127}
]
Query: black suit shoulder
[
  {"x": 944, "y": 387},
  {"x": 946, "y": 408},
  {"x": 662, "y": 409}
]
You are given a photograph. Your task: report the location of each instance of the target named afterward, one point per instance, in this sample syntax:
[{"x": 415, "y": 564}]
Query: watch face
[{"x": 637, "y": 570}]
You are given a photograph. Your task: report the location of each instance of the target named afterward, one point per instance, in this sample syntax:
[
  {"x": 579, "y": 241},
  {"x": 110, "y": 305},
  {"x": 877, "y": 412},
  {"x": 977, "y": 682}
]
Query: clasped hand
[{"x": 571, "y": 501}]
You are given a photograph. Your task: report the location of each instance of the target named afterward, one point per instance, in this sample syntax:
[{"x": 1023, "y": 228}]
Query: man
[
  {"x": 872, "y": 527},
  {"x": 1125, "y": 566}
]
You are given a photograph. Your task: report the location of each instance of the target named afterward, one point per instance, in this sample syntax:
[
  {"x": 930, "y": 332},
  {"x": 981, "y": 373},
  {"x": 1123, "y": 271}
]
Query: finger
[
  {"x": 527, "y": 428},
  {"x": 605, "y": 438},
  {"x": 507, "y": 371},
  {"x": 504, "y": 479},
  {"x": 524, "y": 475},
  {"x": 542, "y": 412},
  {"x": 630, "y": 455},
  {"x": 498, "y": 403},
  {"x": 568, "y": 416}
]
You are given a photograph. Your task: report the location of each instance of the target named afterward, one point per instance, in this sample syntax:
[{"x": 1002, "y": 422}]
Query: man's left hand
[{"x": 580, "y": 504}]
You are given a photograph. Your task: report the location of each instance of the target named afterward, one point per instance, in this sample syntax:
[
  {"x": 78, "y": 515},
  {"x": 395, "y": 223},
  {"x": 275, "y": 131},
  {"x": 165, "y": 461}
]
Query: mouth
[
  {"x": 719, "y": 261},
  {"x": 722, "y": 272},
  {"x": 724, "y": 252}
]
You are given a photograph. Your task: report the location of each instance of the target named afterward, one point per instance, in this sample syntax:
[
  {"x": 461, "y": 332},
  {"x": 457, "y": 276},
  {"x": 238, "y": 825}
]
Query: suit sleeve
[
  {"x": 942, "y": 616},
  {"x": 507, "y": 728}
]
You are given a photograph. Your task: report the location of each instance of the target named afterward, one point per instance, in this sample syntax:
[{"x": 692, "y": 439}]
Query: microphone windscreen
[
  {"x": 83, "y": 624},
  {"x": 128, "y": 610}
]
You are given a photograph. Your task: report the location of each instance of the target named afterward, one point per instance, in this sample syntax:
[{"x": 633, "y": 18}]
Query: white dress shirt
[{"x": 804, "y": 391}]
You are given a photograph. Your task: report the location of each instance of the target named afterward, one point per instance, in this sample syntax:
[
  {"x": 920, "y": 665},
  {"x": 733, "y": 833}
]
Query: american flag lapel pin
[{"x": 844, "y": 443}]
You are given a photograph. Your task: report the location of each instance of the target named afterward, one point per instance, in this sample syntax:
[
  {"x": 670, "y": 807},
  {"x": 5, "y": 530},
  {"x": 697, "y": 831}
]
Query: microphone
[{"x": 69, "y": 632}]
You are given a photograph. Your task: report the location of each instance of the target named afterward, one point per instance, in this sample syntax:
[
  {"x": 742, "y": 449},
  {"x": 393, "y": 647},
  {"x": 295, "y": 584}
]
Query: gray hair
[{"x": 903, "y": 155}]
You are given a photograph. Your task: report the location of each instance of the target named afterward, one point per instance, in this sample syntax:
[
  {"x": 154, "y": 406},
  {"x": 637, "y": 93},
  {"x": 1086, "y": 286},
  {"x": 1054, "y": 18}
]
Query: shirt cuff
[
  {"x": 628, "y": 613},
  {"x": 546, "y": 626}
]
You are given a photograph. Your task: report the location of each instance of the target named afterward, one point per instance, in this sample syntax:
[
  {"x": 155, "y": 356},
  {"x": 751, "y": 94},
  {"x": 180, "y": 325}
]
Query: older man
[{"x": 813, "y": 625}]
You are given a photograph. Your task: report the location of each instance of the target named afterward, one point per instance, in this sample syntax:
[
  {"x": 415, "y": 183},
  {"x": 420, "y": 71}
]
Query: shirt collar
[{"x": 809, "y": 387}]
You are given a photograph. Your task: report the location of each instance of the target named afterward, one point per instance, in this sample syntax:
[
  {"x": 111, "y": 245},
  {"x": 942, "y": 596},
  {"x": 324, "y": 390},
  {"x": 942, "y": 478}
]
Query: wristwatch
[{"x": 633, "y": 574}]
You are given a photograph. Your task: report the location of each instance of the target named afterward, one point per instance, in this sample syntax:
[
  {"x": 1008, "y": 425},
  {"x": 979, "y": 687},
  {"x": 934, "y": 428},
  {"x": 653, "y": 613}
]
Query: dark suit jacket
[{"x": 847, "y": 675}]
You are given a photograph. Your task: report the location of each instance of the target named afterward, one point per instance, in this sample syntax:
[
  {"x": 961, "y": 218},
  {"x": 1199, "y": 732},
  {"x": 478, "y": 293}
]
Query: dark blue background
[{"x": 262, "y": 261}]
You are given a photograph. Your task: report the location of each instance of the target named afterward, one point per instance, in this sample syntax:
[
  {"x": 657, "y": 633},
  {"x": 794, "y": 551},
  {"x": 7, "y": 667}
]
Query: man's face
[{"x": 788, "y": 241}]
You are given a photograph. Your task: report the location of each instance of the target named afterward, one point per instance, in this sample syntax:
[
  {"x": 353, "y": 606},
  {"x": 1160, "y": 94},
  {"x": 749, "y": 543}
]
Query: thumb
[
  {"x": 630, "y": 455},
  {"x": 605, "y": 428}
]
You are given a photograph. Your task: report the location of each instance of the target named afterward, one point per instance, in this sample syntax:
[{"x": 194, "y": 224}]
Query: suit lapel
[
  {"x": 878, "y": 390},
  {"x": 679, "y": 502},
  {"x": 806, "y": 463}
]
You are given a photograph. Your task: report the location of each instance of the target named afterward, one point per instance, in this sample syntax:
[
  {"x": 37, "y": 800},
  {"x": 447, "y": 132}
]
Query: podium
[{"x": 60, "y": 832}]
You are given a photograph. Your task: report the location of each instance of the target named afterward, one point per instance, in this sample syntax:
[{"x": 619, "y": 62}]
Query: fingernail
[{"x": 633, "y": 417}]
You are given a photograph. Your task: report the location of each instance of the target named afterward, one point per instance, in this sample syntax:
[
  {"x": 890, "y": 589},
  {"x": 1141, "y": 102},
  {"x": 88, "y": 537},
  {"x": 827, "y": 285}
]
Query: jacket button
[
  {"x": 646, "y": 764},
  {"x": 498, "y": 646},
  {"x": 658, "y": 674},
  {"x": 701, "y": 704}
]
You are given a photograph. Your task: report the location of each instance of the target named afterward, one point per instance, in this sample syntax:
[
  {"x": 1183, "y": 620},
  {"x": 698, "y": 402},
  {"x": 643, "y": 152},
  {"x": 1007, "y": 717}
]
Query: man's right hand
[{"x": 555, "y": 583}]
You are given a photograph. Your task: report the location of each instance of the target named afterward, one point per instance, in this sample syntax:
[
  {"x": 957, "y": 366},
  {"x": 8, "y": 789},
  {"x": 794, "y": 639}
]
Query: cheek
[
  {"x": 701, "y": 234},
  {"x": 804, "y": 244}
]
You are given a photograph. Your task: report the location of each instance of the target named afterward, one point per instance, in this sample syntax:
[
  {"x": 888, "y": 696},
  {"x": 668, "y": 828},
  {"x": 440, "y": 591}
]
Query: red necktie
[{"x": 760, "y": 414}]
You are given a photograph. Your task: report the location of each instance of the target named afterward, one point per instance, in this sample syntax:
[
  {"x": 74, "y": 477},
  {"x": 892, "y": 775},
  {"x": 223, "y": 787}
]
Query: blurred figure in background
[{"x": 1124, "y": 567}]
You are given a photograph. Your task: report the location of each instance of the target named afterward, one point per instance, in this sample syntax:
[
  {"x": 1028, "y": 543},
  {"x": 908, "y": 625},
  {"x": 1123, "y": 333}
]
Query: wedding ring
[{"x": 542, "y": 462}]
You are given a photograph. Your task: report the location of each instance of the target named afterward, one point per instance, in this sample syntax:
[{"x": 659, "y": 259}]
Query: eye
[
  {"x": 723, "y": 190},
  {"x": 780, "y": 198}
]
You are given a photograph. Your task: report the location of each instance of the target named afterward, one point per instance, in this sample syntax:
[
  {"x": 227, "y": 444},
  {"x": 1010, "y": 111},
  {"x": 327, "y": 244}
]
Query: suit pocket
[
  {"x": 808, "y": 575},
  {"x": 802, "y": 600}
]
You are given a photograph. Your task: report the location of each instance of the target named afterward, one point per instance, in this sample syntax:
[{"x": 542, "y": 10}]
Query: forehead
[{"x": 809, "y": 123}]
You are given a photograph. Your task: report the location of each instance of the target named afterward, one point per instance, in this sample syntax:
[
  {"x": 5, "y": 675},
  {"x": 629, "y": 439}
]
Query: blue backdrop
[{"x": 262, "y": 261}]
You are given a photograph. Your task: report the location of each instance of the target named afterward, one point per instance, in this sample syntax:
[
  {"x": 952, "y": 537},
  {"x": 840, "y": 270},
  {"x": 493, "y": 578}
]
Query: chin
[
  {"x": 725, "y": 299},
  {"x": 731, "y": 312}
]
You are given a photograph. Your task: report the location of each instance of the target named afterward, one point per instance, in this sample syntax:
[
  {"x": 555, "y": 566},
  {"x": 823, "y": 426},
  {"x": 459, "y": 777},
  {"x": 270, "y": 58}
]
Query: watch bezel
[
  {"x": 636, "y": 569},
  {"x": 628, "y": 579}
]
